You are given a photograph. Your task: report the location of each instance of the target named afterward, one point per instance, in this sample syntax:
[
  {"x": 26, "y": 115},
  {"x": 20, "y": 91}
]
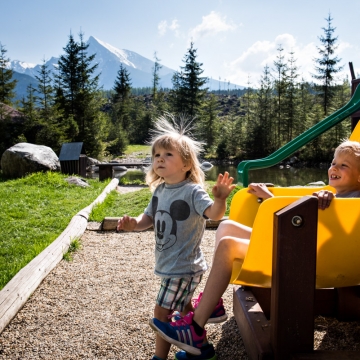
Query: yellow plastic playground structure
[
  {"x": 275, "y": 299},
  {"x": 338, "y": 236}
]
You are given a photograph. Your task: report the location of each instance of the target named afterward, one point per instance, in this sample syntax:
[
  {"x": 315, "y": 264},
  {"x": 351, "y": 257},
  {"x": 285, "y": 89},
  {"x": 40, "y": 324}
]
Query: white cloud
[
  {"x": 251, "y": 63},
  {"x": 163, "y": 27},
  {"x": 212, "y": 24}
]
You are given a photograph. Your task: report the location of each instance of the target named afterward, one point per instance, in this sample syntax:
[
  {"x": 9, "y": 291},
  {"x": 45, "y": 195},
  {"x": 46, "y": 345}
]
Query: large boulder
[{"x": 23, "y": 158}]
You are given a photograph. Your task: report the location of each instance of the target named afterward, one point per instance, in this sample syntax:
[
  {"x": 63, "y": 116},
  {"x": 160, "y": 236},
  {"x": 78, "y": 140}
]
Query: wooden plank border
[
  {"x": 16, "y": 292},
  {"x": 109, "y": 223}
]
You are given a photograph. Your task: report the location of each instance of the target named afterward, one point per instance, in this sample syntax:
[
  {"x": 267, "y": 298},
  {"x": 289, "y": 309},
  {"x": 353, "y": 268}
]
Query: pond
[{"x": 281, "y": 177}]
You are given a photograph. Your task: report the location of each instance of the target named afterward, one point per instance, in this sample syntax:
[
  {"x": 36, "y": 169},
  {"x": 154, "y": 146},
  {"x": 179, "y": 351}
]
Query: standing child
[
  {"x": 177, "y": 210},
  {"x": 232, "y": 241}
]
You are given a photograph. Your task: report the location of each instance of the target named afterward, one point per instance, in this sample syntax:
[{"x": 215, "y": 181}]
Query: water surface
[{"x": 276, "y": 175}]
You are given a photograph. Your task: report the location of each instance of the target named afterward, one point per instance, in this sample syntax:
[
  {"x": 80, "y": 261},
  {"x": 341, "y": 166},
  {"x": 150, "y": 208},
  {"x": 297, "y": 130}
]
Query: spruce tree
[
  {"x": 77, "y": 95},
  {"x": 122, "y": 85},
  {"x": 7, "y": 85},
  {"x": 290, "y": 106},
  {"x": 266, "y": 116},
  {"x": 208, "y": 124},
  {"x": 45, "y": 88},
  {"x": 327, "y": 66},
  {"x": 156, "y": 77},
  {"x": 280, "y": 87},
  {"x": 188, "y": 85}
]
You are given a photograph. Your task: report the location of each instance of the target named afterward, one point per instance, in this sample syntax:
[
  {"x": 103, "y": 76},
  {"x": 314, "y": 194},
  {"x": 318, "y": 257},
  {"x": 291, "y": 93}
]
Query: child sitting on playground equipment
[{"x": 232, "y": 241}]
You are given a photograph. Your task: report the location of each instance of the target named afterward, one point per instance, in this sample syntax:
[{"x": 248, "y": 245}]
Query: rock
[
  {"x": 24, "y": 158},
  {"x": 316, "y": 183},
  {"x": 206, "y": 166},
  {"x": 77, "y": 181},
  {"x": 120, "y": 168}
]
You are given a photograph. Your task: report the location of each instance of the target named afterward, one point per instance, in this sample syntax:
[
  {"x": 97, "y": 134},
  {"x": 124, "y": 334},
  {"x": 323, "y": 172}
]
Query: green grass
[
  {"x": 74, "y": 245},
  {"x": 134, "y": 203},
  {"x": 34, "y": 212},
  {"x": 143, "y": 150},
  {"x": 36, "y": 209},
  {"x": 115, "y": 204}
]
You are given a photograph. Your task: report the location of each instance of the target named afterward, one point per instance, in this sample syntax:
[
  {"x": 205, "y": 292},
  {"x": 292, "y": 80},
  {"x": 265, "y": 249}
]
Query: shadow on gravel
[{"x": 230, "y": 346}]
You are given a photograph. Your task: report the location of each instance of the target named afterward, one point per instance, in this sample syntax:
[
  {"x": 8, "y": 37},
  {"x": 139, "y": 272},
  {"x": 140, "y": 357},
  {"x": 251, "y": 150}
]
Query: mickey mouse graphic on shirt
[{"x": 165, "y": 223}]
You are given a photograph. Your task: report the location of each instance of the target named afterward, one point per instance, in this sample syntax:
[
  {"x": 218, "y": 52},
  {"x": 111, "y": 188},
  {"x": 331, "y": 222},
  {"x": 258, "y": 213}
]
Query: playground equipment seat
[
  {"x": 328, "y": 247},
  {"x": 338, "y": 241}
]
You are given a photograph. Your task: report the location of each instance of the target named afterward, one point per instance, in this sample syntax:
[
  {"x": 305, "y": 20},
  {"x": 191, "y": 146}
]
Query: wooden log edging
[
  {"x": 109, "y": 223},
  {"x": 16, "y": 292}
]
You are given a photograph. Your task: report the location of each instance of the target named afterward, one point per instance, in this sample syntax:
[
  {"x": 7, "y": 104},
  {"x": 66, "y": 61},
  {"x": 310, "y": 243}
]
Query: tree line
[{"x": 69, "y": 106}]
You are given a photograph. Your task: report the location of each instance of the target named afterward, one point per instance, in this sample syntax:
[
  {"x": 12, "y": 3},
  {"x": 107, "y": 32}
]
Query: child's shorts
[{"x": 176, "y": 293}]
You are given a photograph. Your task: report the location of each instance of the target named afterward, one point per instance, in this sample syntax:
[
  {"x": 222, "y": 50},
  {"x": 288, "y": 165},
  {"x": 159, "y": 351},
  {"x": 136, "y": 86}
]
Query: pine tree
[
  {"x": 327, "y": 67},
  {"x": 290, "y": 106},
  {"x": 208, "y": 124},
  {"x": 7, "y": 85},
  {"x": 264, "y": 99},
  {"x": 122, "y": 99},
  {"x": 45, "y": 88},
  {"x": 280, "y": 87},
  {"x": 77, "y": 95},
  {"x": 156, "y": 77},
  {"x": 122, "y": 85},
  {"x": 188, "y": 86}
]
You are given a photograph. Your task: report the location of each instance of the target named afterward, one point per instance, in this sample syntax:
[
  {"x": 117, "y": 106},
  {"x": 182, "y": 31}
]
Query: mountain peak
[{"x": 120, "y": 54}]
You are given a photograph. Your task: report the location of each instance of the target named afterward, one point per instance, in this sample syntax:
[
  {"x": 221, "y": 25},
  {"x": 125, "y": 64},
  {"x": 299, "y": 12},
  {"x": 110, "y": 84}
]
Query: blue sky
[{"x": 234, "y": 39}]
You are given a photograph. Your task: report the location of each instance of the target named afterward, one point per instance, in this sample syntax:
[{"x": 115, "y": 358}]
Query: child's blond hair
[
  {"x": 174, "y": 134},
  {"x": 349, "y": 147}
]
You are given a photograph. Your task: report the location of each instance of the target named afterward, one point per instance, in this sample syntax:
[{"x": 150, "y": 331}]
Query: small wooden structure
[
  {"x": 72, "y": 159},
  {"x": 354, "y": 83}
]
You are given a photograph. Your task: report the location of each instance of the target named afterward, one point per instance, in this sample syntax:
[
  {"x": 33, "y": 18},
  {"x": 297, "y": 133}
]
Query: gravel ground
[{"x": 97, "y": 306}]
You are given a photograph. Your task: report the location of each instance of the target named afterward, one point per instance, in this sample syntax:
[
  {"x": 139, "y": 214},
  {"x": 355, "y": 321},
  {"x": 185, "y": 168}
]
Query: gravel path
[{"x": 97, "y": 306}]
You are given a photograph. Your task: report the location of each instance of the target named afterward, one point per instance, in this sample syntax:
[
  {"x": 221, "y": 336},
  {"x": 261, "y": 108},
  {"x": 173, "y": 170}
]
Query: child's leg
[
  {"x": 233, "y": 229},
  {"x": 173, "y": 294},
  {"x": 193, "y": 324},
  {"x": 219, "y": 277},
  {"x": 189, "y": 307},
  {"x": 162, "y": 347}
]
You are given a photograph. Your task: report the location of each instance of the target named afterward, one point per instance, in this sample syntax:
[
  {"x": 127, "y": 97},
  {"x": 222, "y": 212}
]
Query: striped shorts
[{"x": 176, "y": 293}]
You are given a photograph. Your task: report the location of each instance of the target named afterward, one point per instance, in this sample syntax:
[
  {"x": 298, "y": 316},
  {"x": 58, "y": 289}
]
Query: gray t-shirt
[
  {"x": 351, "y": 194},
  {"x": 177, "y": 211}
]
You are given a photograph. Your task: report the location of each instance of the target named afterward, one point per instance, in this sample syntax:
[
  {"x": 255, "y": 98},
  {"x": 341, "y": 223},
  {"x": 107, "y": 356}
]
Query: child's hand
[
  {"x": 223, "y": 186},
  {"x": 325, "y": 197},
  {"x": 259, "y": 190},
  {"x": 126, "y": 223}
]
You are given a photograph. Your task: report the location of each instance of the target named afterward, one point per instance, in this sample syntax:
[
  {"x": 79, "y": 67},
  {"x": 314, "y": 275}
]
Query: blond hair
[
  {"x": 173, "y": 133},
  {"x": 349, "y": 147}
]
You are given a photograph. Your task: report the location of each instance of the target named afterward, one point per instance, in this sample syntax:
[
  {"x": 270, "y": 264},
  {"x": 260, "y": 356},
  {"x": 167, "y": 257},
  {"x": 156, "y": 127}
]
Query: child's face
[
  {"x": 344, "y": 173},
  {"x": 169, "y": 165}
]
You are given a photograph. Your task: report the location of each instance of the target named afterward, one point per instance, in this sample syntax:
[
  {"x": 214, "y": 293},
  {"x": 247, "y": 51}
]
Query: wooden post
[
  {"x": 293, "y": 278},
  {"x": 354, "y": 83}
]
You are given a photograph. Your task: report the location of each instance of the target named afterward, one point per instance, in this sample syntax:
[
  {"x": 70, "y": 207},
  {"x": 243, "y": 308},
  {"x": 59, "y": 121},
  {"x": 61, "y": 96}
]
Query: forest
[{"x": 69, "y": 106}]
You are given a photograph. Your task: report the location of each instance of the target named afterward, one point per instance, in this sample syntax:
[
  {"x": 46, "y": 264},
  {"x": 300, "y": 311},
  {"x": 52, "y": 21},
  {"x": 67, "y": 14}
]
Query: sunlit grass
[
  {"x": 34, "y": 212},
  {"x": 134, "y": 203}
]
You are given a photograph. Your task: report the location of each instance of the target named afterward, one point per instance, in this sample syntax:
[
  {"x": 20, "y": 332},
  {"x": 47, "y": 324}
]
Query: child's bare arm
[
  {"x": 129, "y": 223},
  {"x": 325, "y": 197},
  {"x": 221, "y": 191},
  {"x": 260, "y": 190}
]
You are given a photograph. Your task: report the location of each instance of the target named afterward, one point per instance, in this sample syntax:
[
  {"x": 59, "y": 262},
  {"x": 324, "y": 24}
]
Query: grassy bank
[
  {"x": 134, "y": 203},
  {"x": 34, "y": 212},
  {"x": 36, "y": 209}
]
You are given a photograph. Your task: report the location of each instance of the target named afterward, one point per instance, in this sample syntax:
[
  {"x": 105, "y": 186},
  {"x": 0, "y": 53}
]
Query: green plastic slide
[{"x": 288, "y": 149}]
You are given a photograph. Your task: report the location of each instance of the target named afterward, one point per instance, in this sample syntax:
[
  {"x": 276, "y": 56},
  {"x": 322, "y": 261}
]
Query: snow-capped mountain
[{"x": 109, "y": 59}]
